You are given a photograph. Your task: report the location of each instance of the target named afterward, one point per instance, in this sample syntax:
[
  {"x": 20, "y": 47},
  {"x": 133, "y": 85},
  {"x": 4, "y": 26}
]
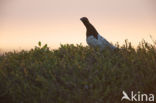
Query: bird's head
[{"x": 84, "y": 19}]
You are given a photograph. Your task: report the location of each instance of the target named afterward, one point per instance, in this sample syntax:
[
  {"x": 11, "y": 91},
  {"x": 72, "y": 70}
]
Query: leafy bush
[{"x": 76, "y": 74}]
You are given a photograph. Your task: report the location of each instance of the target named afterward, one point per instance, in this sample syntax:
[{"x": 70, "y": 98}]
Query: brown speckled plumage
[{"x": 90, "y": 28}]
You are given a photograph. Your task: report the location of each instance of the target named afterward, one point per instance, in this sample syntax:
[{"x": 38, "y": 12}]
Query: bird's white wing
[
  {"x": 92, "y": 41},
  {"x": 104, "y": 42}
]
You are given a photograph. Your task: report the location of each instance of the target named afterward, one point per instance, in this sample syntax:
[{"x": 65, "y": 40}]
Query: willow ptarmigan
[{"x": 93, "y": 38}]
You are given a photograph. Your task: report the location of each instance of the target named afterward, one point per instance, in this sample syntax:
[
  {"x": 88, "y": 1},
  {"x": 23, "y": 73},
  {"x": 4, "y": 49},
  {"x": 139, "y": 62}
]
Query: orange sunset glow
[{"x": 25, "y": 22}]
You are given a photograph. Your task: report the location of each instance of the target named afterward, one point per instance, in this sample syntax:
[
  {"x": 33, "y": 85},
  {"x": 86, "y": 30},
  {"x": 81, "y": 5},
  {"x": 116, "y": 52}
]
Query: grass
[{"x": 76, "y": 74}]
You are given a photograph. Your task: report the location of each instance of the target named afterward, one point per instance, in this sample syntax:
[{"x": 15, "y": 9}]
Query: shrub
[{"x": 76, "y": 74}]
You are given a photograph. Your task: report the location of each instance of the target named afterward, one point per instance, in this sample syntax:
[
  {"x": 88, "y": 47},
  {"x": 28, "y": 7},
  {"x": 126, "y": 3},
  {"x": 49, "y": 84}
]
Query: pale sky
[{"x": 25, "y": 22}]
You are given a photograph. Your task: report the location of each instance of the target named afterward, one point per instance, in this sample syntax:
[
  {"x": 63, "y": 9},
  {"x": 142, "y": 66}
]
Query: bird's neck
[{"x": 90, "y": 30}]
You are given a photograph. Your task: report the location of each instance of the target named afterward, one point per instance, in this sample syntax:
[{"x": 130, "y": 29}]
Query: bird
[{"x": 93, "y": 38}]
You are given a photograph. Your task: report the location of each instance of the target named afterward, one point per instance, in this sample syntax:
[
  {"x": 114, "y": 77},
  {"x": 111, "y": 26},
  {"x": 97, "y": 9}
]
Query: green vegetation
[{"x": 76, "y": 74}]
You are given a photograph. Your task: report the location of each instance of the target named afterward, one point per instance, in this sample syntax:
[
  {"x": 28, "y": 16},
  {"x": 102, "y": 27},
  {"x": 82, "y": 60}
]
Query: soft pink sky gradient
[{"x": 25, "y": 22}]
